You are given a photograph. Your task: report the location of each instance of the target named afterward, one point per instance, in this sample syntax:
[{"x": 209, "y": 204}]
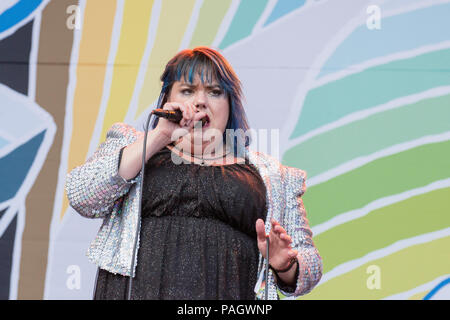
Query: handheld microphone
[{"x": 171, "y": 115}]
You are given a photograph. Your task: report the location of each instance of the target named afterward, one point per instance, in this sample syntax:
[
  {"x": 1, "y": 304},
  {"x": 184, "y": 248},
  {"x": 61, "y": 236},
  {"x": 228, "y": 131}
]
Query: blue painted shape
[
  {"x": 282, "y": 8},
  {"x": 244, "y": 21},
  {"x": 17, "y": 13},
  {"x": 436, "y": 289},
  {"x": 3, "y": 142},
  {"x": 372, "y": 87},
  {"x": 15, "y": 165},
  {"x": 398, "y": 33},
  {"x": 12, "y": 116}
]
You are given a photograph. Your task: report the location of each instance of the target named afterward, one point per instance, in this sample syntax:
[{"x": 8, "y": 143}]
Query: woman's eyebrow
[
  {"x": 214, "y": 86},
  {"x": 191, "y": 85}
]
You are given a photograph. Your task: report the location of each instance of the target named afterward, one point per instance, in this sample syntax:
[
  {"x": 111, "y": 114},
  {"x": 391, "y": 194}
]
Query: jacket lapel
[{"x": 270, "y": 173}]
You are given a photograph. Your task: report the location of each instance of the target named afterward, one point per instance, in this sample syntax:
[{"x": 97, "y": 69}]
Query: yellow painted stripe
[
  {"x": 399, "y": 272},
  {"x": 419, "y": 296},
  {"x": 93, "y": 55},
  {"x": 211, "y": 15},
  {"x": 167, "y": 42},
  {"x": 133, "y": 39}
]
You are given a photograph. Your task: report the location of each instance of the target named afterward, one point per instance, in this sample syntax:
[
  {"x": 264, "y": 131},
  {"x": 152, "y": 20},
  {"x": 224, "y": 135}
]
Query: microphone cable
[
  {"x": 141, "y": 174},
  {"x": 133, "y": 259},
  {"x": 267, "y": 269}
]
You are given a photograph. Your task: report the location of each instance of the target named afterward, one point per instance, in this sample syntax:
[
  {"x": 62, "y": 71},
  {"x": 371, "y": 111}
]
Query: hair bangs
[{"x": 196, "y": 65}]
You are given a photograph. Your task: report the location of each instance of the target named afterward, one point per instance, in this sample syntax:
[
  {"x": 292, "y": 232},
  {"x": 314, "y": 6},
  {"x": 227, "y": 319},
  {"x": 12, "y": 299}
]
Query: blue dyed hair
[{"x": 210, "y": 65}]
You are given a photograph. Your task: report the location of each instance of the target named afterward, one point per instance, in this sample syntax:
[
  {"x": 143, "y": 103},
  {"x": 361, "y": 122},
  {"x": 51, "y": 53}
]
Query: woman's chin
[{"x": 203, "y": 137}]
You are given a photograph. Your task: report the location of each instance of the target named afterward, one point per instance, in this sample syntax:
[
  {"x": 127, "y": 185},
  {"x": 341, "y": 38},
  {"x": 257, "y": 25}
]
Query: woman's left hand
[{"x": 280, "y": 250}]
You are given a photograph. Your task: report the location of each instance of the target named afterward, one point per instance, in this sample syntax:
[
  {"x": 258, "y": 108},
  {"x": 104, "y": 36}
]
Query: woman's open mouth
[{"x": 205, "y": 122}]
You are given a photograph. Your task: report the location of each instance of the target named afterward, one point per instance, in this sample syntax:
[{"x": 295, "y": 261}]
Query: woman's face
[{"x": 207, "y": 97}]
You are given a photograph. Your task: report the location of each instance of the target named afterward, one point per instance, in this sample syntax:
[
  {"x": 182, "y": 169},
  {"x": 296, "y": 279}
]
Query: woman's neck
[
  {"x": 205, "y": 150},
  {"x": 206, "y": 154}
]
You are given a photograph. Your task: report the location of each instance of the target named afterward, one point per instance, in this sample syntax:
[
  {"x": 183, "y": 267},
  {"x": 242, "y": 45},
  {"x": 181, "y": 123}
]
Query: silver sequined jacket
[{"x": 96, "y": 190}]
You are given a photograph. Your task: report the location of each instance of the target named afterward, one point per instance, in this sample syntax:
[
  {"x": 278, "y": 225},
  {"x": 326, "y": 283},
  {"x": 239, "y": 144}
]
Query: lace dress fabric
[{"x": 198, "y": 237}]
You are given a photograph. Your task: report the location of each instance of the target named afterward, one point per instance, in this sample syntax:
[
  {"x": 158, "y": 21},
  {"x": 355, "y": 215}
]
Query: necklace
[{"x": 202, "y": 163}]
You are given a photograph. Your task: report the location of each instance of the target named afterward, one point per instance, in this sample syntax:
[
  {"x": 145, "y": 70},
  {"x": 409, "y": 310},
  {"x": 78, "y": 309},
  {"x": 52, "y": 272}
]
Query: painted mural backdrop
[{"x": 361, "y": 91}]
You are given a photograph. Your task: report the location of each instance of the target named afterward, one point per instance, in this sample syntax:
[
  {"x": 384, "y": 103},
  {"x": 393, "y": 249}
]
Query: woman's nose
[
  {"x": 200, "y": 102},
  {"x": 199, "y": 106}
]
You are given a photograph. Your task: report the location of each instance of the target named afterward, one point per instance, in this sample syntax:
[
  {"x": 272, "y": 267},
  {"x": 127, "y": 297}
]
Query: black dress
[{"x": 198, "y": 237}]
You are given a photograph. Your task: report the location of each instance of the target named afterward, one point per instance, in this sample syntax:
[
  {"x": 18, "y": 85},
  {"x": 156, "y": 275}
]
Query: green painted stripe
[
  {"x": 383, "y": 227},
  {"x": 402, "y": 271},
  {"x": 243, "y": 21},
  {"x": 372, "y": 87},
  {"x": 364, "y": 137},
  {"x": 211, "y": 15},
  {"x": 386, "y": 176}
]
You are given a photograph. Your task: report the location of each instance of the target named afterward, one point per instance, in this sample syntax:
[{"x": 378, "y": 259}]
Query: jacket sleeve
[
  {"x": 94, "y": 187},
  {"x": 297, "y": 226}
]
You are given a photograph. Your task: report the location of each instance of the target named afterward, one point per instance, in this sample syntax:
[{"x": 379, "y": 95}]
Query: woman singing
[{"x": 208, "y": 203}]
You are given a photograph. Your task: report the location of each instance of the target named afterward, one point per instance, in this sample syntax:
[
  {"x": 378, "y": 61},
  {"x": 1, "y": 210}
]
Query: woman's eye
[
  {"x": 216, "y": 92},
  {"x": 186, "y": 91}
]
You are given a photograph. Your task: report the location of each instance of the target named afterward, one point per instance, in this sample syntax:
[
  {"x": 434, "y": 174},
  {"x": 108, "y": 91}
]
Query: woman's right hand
[
  {"x": 166, "y": 128},
  {"x": 157, "y": 138}
]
